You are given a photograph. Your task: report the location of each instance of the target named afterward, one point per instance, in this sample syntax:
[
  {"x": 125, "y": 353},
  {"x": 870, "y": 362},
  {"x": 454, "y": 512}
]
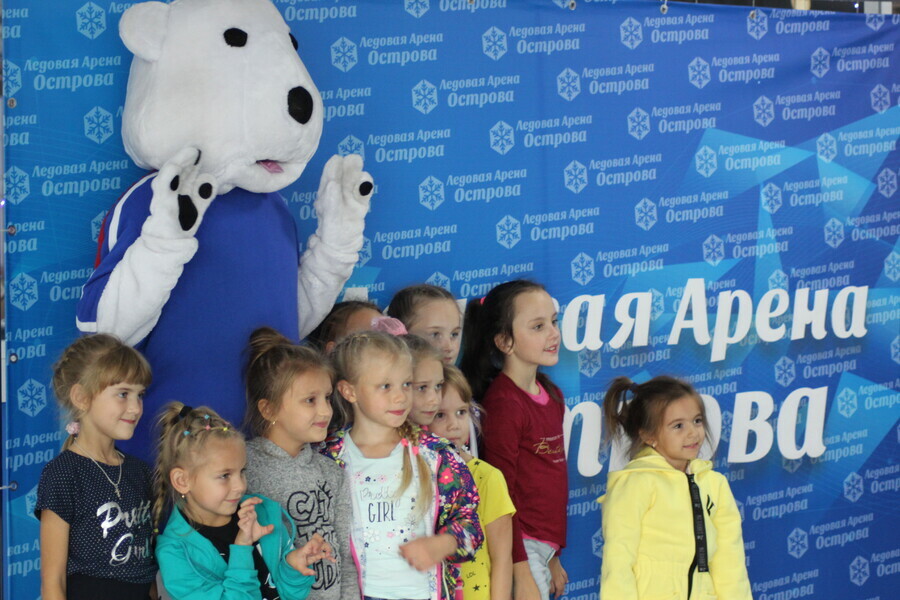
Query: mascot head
[{"x": 222, "y": 76}]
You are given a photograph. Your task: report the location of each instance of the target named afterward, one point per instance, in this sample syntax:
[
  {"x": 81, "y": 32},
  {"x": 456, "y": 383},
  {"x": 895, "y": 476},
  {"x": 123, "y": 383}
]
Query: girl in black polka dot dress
[{"x": 94, "y": 502}]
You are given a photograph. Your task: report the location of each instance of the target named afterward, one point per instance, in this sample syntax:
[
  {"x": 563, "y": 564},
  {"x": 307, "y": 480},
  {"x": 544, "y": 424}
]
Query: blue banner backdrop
[{"x": 708, "y": 191}]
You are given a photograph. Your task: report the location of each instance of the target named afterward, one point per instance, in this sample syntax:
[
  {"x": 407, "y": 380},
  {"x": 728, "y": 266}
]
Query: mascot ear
[{"x": 143, "y": 29}]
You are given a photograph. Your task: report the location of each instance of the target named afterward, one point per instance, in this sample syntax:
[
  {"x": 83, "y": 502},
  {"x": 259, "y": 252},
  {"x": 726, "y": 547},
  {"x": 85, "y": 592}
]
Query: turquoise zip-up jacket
[{"x": 192, "y": 568}]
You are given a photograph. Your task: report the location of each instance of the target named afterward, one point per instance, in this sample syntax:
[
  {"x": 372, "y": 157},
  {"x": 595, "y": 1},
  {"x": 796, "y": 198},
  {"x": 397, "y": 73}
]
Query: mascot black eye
[
  {"x": 294, "y": 42},
  {"x": 235, "y": 37}
]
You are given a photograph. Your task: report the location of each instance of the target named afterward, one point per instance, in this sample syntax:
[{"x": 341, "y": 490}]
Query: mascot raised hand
[{"x": 198, "y": 254}]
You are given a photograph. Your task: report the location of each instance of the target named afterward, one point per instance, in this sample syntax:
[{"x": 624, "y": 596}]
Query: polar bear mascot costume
[{"x": 197, "y": 255}]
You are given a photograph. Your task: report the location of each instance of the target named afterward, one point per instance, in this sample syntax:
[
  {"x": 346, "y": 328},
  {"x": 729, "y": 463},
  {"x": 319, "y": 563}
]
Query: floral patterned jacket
[{"x": 455, "y": 504}]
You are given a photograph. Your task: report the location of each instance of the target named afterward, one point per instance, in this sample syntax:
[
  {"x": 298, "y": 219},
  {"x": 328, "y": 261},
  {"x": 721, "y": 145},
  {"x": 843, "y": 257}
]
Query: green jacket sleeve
[
  {"x": 728, "y": 565},
  {"x": 623, "y": 509},
  {"x": 183, "y": 582},
  {"x": 291, "y": 583}
]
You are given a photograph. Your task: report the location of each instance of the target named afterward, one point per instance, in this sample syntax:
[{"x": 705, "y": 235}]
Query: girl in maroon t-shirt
[{"x": 508, "y": 335}]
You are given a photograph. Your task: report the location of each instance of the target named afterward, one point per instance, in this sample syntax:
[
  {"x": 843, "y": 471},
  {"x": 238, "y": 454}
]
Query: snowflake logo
[
  {"x": 834, "y": 232},
  {"x": 597, "y": 543},
  {"x": 698, "y": 73},
  {"x": 568, "y": 84},
  {"x": 798, "y": 543},
  {"x": 705, "y": 161},
  {"x": 826, "y": 147},
  {"x": 97, "y": 225},
  {"x": 763, "y": 111},
  {"x": 645, "y": 214},
  {"x": 859, "y": 570},
  {"x": 657, "y": 303},
  {"x": 493, "y": 43},
  {"x": 638, "y": 123},
  {"x": 847, "y": 403},
  {"x": 431, "y": 192},
  {"x": 757, "y": 24},
  {"x": 785, "y": 372},
  {"x": 589, "y": 362},
  {"x": 892, "y": 266},
  {"x": 895, "y": 352},
  {"x": 12, "y": 79},
  {"x": 344, "y": 54},
  {"x": 351, "y": 145},
  {"x": 575, "y": 175},
  {"x": 887, "y": 183},
  {"x": 778, "y": 280},
  {"x": 424, "y": 97},
  {"x": 90, "y": 20},
  {"x": 440, "y": 280},
  {"x": 503, "y": 138},
  {"x": 416, "y": 8},
  {"x": 881, "y": 98},
  {"x": 791, "y": 466},
  {"x": 31, "y": 502},
  {"x": 23, "y": 291},
  {"x": 365, "y": 253},
  {"x": 820, "y": 62},
  {"x": 16, "y": 185},
  {"x": 727, "y": 424},
  {"x": 631, "y": 33},
  {"x": 98, "y": 125},
  {"x": 582, "y": 269},
  {"x": 32, "y": 396},
  {"x": 713, "y": 250},
  {"x": 770, "y": 197},
  {"x": 874, "y": 21},
  {"x": 509, "y": 231}
]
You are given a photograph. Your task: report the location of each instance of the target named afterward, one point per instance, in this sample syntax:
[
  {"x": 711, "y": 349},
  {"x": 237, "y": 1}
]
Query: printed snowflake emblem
[
  {"x": 90, "y": 20},
  {"x": 763, "y": 111},
  {"x": 874, "y": 21},
  {"x": 365, "y": 253},
  {"x": 705, "y": 161},
  {"x": 638, "y": 123},
  {"x": 892, "y": 266},
  {"x": 785, "y": 371},
  {"x": 847, "y": 403},
  {"x": 16, "y": 185},
  {"x": 416, "y": 8},
  {"x": 509, "y": 231},
  {"x": 344, "y": 54},
  {"x": 23, "y": 291},
  {"x": 503, "y": 138},
  {"x": 493, "y": 43},
  {"x": 798, "y": 543},
  {"x": 826, "y": 147},
  {"x": 431, "y": 192},
  {"x": 31, "y": 502},
  {"x": 713, "y": 250},
  {"x": 97, "y": 225},
  {"x": 568, "y": 84},
  {"x": 881, "y": 98},
  {"x": 98, "y": 125},
  {"x": 582, "y": 269},
  {"x": 727, "y": 424},
  {"x": 698, "y": 73},
  {"x": 438, "y": 279},
  {"x": 770, "y": 198},
  {"x": 887, "y": 183},
  {"x": 778, "y": 280},
  {"x": 859, "y": 570},
  {"x": 575, "y": 175},
  {"x": 645, "y": 214},
  {"x": 834, "y": 232},
  {"x": 757, "y": 24},
  {"x": 424, "y": 97},
  {"x": 351, "y": 145},
  {"x": 657, "y": 303},
  {"x": 597, "y": 543},
  {"x": 589, "y": 362},
  {"x": 820, "y": 62},
  {"x": 895, "y": 354},
  {"x": 631, "y": 33},
  {"x": 32, "y": 397},
  {"x": 853, "y": 487},
  {"x": 12, "y": 79},
  {"x": 790, "y": 465}
]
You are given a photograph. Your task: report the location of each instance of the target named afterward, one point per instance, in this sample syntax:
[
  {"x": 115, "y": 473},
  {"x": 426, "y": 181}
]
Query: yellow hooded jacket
[{"x": 648, "y": 530}]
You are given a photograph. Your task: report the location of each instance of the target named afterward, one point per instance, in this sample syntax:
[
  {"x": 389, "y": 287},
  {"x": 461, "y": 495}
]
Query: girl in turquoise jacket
[
  {"x": 219, "y": 543},
  {"x": 671, "y": 527}
]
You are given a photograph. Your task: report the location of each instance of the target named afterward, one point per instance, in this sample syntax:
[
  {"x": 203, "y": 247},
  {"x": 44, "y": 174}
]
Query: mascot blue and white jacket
[{"x": 198, "y": 254}]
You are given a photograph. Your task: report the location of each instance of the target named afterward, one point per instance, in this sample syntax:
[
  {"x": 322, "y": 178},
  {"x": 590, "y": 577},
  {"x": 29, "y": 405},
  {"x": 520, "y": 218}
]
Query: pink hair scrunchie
[{"x": 389, "y": 325}]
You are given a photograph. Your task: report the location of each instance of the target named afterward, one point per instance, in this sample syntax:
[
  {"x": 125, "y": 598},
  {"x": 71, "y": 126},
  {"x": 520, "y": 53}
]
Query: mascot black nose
[{"x": 300, "y": 105}]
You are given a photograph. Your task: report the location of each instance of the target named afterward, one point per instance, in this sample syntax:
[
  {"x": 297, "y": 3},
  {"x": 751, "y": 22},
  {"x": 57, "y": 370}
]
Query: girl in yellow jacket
[{"x": 671, "y": 527}]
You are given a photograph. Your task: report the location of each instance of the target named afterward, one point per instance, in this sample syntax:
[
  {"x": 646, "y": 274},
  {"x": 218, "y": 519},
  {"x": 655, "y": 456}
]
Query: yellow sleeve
[
  {"x": 623, "y": 510},
  {"x": 728, "y": 566},
  {"x": 495, "y": 500}
]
